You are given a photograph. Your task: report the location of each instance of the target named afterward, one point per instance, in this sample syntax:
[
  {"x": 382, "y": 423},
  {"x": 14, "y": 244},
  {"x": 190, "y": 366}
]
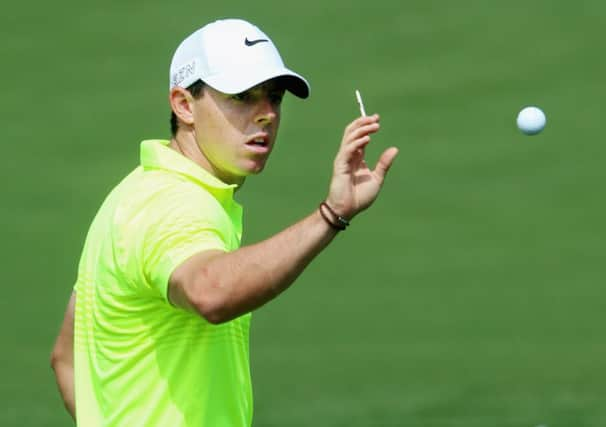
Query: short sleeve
[{"x": 177, "y": 226}]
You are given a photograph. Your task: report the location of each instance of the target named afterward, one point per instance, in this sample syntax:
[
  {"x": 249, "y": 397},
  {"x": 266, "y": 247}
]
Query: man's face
[{"x": 236, "y": 133}]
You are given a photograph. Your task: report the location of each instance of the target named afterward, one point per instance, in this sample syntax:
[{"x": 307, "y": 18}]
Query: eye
[
  {"x": 276, "y": 97},
  {"x": 242, "y": 96}
]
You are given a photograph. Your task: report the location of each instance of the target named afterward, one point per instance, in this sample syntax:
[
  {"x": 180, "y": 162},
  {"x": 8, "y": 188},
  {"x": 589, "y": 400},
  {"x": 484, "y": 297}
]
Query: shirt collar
[{"x": 155, "y": 154}]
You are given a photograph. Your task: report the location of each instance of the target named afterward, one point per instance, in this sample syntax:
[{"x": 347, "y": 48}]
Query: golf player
[{"x": 156, "y": 331}]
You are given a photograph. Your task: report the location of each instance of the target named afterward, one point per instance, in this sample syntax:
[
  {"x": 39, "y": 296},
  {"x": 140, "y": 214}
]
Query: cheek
[
  {"x": 276, "y": 126},
  {"x": 219, "y": 128}
]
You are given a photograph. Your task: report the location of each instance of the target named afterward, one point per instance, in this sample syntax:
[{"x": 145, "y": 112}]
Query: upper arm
[
  {"x": 190, "y": 286},
  {"x": 63, "y": 350},
  {"x": 175, "y": 231}
]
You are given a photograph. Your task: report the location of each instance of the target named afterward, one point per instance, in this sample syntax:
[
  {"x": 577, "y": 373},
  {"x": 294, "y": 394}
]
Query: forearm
[
  {"x": 62, "y": 358},
  {"x": 221, "y": 286},
  {"x": 64, "y": 375},
  {"x": 235, "y": 283}
]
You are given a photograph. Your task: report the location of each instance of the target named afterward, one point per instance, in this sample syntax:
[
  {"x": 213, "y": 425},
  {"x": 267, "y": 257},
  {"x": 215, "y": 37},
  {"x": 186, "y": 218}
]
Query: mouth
[{"x": 259, "y": 143}]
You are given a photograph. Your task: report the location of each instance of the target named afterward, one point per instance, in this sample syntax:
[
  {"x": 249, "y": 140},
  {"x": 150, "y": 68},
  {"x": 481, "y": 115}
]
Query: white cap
[{"x": 231, "y": 56}]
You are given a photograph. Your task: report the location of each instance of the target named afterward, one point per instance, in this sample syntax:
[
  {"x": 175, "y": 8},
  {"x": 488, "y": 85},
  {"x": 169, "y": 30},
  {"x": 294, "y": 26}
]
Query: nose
[{"x": 266, "y": 112}]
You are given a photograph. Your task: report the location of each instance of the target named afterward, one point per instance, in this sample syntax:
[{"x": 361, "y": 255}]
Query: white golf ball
[{"x": 531, "y": 120}]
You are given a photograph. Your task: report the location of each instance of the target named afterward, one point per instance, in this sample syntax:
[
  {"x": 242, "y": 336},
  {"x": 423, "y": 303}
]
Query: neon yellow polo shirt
[{"x": 139, "y": 361}]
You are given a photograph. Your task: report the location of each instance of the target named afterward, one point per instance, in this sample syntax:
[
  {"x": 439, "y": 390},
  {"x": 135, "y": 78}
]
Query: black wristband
[
  {"x": 336, "y": 226},
  {"x": 343, "y": 221}
]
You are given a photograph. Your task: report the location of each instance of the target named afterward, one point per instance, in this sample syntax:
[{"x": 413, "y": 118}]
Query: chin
[
  {"x": 254, "y": 168},
  {"x": 258, "y": 170}
]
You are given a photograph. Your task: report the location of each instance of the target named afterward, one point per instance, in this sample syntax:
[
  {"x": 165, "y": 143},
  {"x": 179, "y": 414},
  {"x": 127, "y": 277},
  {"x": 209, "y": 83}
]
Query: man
[{"x": 156, "y": 330}]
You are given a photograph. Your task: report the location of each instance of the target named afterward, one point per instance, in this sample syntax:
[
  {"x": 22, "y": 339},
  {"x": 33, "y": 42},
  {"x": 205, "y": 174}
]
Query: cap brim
[{"x": 237, "y": 83}]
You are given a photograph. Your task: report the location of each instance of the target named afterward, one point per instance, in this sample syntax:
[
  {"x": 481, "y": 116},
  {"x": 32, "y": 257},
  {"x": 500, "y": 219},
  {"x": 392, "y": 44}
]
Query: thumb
[{"x": 385, "y": 162}]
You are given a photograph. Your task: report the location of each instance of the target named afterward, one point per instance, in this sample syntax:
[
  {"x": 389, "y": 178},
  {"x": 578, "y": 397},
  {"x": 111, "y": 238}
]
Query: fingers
[
  {"x": 363, "y": 131},
  {"x": 360, "y": 127},
  {"x": 357, "y": 144},
  {"x": 360, "y": 121},
  {"x": 355, "y": 138},
  {"x": 385, "y": 162}
]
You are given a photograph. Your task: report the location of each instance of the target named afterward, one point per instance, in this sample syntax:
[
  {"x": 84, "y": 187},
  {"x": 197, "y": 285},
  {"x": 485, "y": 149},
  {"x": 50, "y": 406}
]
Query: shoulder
[
  {"x": 173, "y": 209},
  {"x": 159, "y": 193}
]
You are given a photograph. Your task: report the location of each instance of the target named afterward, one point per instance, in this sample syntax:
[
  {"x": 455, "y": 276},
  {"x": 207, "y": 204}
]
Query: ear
[{"x": 181, "y": 104}]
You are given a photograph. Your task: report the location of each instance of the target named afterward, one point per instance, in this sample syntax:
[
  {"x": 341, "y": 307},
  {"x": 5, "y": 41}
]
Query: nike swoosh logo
[{"x": 254, "y": 42}]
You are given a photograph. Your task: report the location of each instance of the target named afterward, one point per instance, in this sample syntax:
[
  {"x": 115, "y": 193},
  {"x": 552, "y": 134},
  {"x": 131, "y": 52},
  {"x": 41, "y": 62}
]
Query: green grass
[{"x": 470, "y": 295}]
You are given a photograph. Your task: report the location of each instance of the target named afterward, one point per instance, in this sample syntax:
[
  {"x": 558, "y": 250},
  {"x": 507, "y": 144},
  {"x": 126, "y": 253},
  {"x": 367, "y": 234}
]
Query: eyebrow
[
  {"x": 270, "y": 88},
  {"x": 272, "y": 85}
]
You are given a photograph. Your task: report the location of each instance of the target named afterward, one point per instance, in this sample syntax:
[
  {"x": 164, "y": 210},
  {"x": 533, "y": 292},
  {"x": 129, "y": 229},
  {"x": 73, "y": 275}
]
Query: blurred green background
[{"x": 470, "y": 295}]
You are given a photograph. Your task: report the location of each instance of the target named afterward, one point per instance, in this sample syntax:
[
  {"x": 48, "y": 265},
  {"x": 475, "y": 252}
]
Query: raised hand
[{"x": 354, "y": 186}]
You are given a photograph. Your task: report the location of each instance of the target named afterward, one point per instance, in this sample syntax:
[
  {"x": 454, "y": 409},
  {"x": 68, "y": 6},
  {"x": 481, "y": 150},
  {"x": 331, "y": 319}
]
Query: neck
[{"x": 186, "y": 145}]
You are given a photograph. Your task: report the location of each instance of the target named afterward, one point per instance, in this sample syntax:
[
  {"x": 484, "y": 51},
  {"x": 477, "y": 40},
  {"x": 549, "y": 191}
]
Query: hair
[{"x": 197, "y": 90}]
